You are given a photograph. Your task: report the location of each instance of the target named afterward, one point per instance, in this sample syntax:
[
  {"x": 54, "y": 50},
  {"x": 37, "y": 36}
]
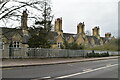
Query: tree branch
[
  {"x": 19, "y": 7},
  {"x": 3, "y": 5}
]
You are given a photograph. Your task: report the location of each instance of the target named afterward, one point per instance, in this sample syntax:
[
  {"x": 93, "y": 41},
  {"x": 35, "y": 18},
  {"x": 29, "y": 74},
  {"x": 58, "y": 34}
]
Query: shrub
[{"x": 93, "y": 54}]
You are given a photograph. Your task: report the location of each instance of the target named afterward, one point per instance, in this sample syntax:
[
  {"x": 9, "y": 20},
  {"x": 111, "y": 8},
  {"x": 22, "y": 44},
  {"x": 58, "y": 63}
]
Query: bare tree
[
  {"x": 88, "y": 33},
  {"x": 11, "y": 10}
]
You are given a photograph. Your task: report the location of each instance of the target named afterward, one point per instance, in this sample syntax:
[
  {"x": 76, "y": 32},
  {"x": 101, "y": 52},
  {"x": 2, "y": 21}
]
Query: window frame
[{"x": 16, "y": 44}]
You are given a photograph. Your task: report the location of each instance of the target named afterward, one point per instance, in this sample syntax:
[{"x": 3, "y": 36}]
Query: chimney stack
[
  {"x": 58, "y": 25},
  {"x": 24, "y": 26},
  {"x": 96, "y": 31},
  {"x": 24, "y": 20},
  {"x": 80, "y": 28},
  {"x": 107, "y": 35}
]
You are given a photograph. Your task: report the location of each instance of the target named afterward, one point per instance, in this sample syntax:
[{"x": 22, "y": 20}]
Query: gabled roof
[
  {"x": 104, "y": 39},
  {"x": 10, "y": 32},
  {"x": 68, "y": 35},
  {"x": 97, "y": 41},
  {"x": 77, "y": 36}
]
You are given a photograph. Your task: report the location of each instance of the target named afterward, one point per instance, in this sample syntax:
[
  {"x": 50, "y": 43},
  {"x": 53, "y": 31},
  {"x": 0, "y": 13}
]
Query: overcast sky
[{"x": 102, "y": 13}]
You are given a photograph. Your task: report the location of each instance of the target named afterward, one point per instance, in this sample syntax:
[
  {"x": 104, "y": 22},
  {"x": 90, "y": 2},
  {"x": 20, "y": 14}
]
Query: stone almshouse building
[
  {"x": 15, "y": 38},
  {"x": 80, "y": 38},
  {"x": 18, "y": 38}
]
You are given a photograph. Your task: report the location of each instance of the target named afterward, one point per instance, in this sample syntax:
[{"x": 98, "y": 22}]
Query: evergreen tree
[
  {"x": 39, "y": 35},
  {"x": 46, "y": 20},
  {"x": 73, "y": 46},
  {"x": 38, "y": 38}
]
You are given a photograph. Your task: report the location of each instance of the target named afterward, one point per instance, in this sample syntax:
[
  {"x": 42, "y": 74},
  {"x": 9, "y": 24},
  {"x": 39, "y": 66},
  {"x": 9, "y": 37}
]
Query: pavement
[{"x": 7, "y": 63}]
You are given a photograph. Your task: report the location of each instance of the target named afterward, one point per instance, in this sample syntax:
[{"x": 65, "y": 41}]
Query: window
[
  {"x": 59, "y": 44},
  {"x": 16, "y": 44}
]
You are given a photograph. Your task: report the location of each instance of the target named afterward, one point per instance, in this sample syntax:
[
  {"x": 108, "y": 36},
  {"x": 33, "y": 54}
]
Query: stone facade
[
  {"x": 80, "y": 38},
  {"x": 15, "y": 38}
]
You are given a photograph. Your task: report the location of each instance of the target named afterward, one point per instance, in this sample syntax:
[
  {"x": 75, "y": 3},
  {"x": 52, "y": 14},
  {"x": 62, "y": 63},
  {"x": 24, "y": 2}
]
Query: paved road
[{"x": 91, "y": 69}]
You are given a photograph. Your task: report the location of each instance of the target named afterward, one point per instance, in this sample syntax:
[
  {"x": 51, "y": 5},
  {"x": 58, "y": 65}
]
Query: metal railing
[{"x": 48, "y": 53}]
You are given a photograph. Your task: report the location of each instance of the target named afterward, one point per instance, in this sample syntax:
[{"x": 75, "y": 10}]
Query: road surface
[{"x": 79, "y": 70}]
